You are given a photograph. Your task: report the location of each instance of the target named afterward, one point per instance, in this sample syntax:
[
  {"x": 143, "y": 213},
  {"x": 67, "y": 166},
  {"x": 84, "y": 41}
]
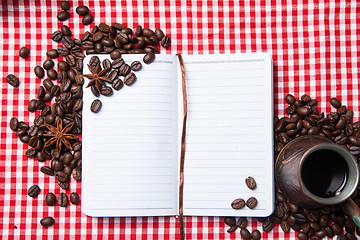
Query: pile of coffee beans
[
  {"x": 305, "y": 119},
  {"x": 115, "y": 39}
]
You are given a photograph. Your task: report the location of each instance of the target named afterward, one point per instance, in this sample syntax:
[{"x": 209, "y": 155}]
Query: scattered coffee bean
[
  {"x": 14, "y": 124},
  {"x": 50, "y": 199},
  {"x": 33, "y": 191},
  {"x": 336, "y": 103},
  {"x": 250, "y": 183},
  {"x": 245, "y": 234},
  {"x": 129, "y": 79},
  {"x": 256, "y": 235},
  {"x": 95, "y": 106},
  {"x": 63, "y": 200},
  {"x": 48, "y": 64},
  {"x": 76, "y": 174},
  {"x": 159, "y": 34},
  {"x": 63, "y": 16},
  {"x": 57, "y": 36},
  {"x": 149, "y": 58},
  {"x": 136, "y": 66},
  {"x": 32, "y": 105},
  {"x": 268, "y": 226},
  {"x": 74, "y": 198},
  {"x": 232, "y": 229},
  {"x": 24, "y": 52},
  {"x": 52, "y": 53},
  {"x": 66, "y": 30},
  {"x": 61, "y": 176},
  {"x": 238, "y": 203},
  {"x": 242, "y": 222},
  {"x": 47, "y": 170},
  {"x": 63, "y": 185},
  {"x": 47, "y": 222},
  {"x": 87, "y": 19},
  {"x": 117, "y": 84},
  {"x": 31, "y": 152},
  {"x": 82, "y": 10},
  {"x": 39, "y": 72},
  {"x": 251, "y": 203},
  {"x": 165, "y": 42},
  {"x": 12, "y": 80},
  {"x": 230, "y": 221}
]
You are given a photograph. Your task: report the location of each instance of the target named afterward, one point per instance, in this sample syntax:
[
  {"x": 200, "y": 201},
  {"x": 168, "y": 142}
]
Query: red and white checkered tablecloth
[{"x": 315, "y": 47}]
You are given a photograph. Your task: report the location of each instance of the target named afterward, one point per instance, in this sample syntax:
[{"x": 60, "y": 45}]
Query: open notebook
[{"x": 131, "y": 148}]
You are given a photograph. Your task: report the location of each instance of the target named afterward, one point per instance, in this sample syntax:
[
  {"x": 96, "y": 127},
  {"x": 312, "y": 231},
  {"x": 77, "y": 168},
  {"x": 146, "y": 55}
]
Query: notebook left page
[{"x": 130, "y": 146}]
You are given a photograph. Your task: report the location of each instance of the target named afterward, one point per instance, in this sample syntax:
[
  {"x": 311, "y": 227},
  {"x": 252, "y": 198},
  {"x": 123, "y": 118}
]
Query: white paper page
[
  {"x": 229, "y": 133},
  {"x": 130, "y": 146}
]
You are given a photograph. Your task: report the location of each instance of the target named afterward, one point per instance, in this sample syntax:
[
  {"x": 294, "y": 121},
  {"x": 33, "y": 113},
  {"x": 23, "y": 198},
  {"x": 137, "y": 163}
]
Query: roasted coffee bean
[
  {"x": 230, "y": 221},
  {"x": 147, "y": 32},
  {"x": 95, "y": 106},
  {"x": 39, "y": 71},
  {"x": 159, "y": 34},
  {"x": 31, "y": 152},
  {"x": 47, "y": 222},
  {"x": 113, "y": 75},
  {"x": 63, "y": 200},
  {"x": 48, "y": 64},
  {"x": 115, "y": 54},
  {"x": 94, "y": 61},
  {"x": 302, "y": 236},
  {"x": 49, "y": 119},
  {"x": 103, "y": 27},
  {"x": 23, "y": 125},
  {"x": 48, "y": 97},
  {"x": 242, "y": 222},
  {"x": 340, "y": 124},
  {"x": 47, "y": 170},
  {"x": 14, "y": 123},
  {"x": 138, "y": 31},
  {"x": 79, "y": 79},
  {"x": 12, "y": 80},
  {"x": 232, "y": 229},
  {"x": 336, "y": 103},
  {"x": 130, "y": 79},
  {"x": 349, "y": 225},
  {"x": 290, "y": 99},
  {"x": 250, "y": 183},
  {"x": 64, "y": 5},
  {"x": 66, "y": 30},
  {"x": 165, "y": 42},
  {"x": 33, "y": 141},
  {"x": 106, "y": 64},
  {"x": 63, "y": 51},
  {"x": 136, "y": 66},
  {"x": 94, "y": 91},
  {"x": 303, "y": 111},
  {"x": 99, "y": 47},
  {"x": 149, "y": 58},
  {"x": 268, "y": 226},
  {"x": 76, "y": 174},
  {"x": 63, "y": 185},
  {"x": 87, "y": 45},
  {"x": 50, "y": 199},
  {"x": 63, "y": 16},
  {"x": 32, "y": 105},
  {"x": 245, "y": 234},
  {"x": 52, "y": 53},
  {"x": 63, "y": 66},
  {"x": 124, "y": 70},
  {"x": 20, "y": 133},
  {"x": 67, "y": 42},
  {"x": 238, "y": 203},
  {"x": 285, "y": 226},
  {"x": 106, "y": 91},
  {"x": 55, "y": 90},
  {"x": 48, "y": 84},
  {"x": 82, "y": 10},
  {"x": 33, "y": 191},
  {"x": 61, "y": 176},
  {"x": 87, "y": 19},
  {"x": 74, "y": 198},
  {"x": 117, "y": 84},
  {"x": 67, "y": 170},
  {"x": 117, "y": 63},
  {"x": 300, "y": 218},
  {"x": 24, "y": 52}
]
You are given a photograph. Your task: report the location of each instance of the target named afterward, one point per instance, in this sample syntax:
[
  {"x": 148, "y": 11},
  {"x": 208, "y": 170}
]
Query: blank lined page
[
  {"x": 229, "y": 133},
  {"x": 130, "y": 146}
]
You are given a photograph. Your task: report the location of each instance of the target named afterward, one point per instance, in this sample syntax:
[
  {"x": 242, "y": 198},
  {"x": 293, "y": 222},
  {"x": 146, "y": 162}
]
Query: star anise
[
  {"x": 97, "y": 77},
  {"x": 60, "y": 135}
]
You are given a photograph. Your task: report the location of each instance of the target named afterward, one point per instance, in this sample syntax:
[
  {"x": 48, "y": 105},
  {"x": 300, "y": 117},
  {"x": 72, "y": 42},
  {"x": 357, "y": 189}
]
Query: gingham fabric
[{"x": 315, "y": 48}]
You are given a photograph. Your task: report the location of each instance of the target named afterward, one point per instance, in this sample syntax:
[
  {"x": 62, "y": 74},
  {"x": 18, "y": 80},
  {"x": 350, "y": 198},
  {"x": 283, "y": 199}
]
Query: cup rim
[{"x": 350, "y": 186}]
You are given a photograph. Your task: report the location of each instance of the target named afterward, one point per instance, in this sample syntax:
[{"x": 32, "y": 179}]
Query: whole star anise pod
[
  {"x": 60, "y": 135},
  {"x": 97, "y": 77}
]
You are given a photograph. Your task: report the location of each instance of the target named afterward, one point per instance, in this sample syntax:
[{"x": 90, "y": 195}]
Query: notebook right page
[{"x": 229, "y": 133}]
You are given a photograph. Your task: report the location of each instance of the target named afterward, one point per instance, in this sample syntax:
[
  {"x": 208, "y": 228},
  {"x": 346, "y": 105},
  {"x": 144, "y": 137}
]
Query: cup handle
[{"x": 352, "y": 210}]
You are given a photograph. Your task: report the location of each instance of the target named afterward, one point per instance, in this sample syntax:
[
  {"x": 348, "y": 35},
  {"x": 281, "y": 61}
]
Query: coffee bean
[
  {"x": 230, "y": 221},
  {"x": 340, "y": 124},
  {"x": 302, "y": 236},
  {"x": 63, "y": 16},
  {"x": 245, "y": 234},
  {"x": 268, "y": 226},
  {"x": 124, "y": 70},
  {"x": 138, "y": 31},
  {"x": 159, "y": 34},
  {"x": 48, "y": 97},
  {"x": 94, "y": 61},
  {"x": 52, "y": 74},
  {"x": 74, "y": 198},
  {"x": 12, "y": 80},
  {"x": 39, "y": 72},
  {"x": 31, "y": 152},
  {"x": 67, "y": 170},
  {"x": 106, "y": 64},
  {"x": 14, "y": 123},
  {"x": 47, "y": 170},
  {"x": 336, "y": 103},
  {"x": 50, "y": 199},
  {"x": 103, "y": 27},
  {"x": 55, "y": 90},
  {"x": 82, "y": 10},
  {"x": 63, "y": 185},
  {"x": 136, "y": 66},
  {"x": 250, "y": 183},
  {"x": 24, "y": 52},
  {"x": 113, "y": 75},
  {"x": 33, "y": 191},
  {"x": 76, "y": 174},
  {"x": 63, "y": 200},
  {"x": 117, "y": 63},
  {"x": 52, "y": 53},
  {"x": 130, "y": 79},
  {"x": 115, "y": 54},
  {"x": 117, "y": 84},
  {"x": 87, "y": 19},
  {"x": 256, "y": 235},
  {"x": 64, "y": 5},
  {"x": 285, "y": 226},
  {"x": 238, "y": 203},
  {"x": 242, "y": 222},
  {"x": 147, "y": 32},
  {"x": 251, "y": 202},
  {"x": 94, "y": 91},
  {"x": 67, "y": 42},
  {"x": 232, "y": 229},
  {"x": 47, "y": 222},
  {"x": 66, "y": 30},
  {"x": 95, "y": 106},
  {"x": 106, "y": 91},
  {"x": 61, "y": 176},
  {"x": 149, "y": 58},
  {"x": 32, "y": 105},
  {"x": 165, "y": 42},
  {"x": 303, "y": 111}
]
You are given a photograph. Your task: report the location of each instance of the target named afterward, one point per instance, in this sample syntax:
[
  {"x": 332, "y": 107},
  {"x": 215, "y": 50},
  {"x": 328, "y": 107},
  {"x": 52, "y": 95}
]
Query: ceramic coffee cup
[{"x": 312, "y": 171}]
